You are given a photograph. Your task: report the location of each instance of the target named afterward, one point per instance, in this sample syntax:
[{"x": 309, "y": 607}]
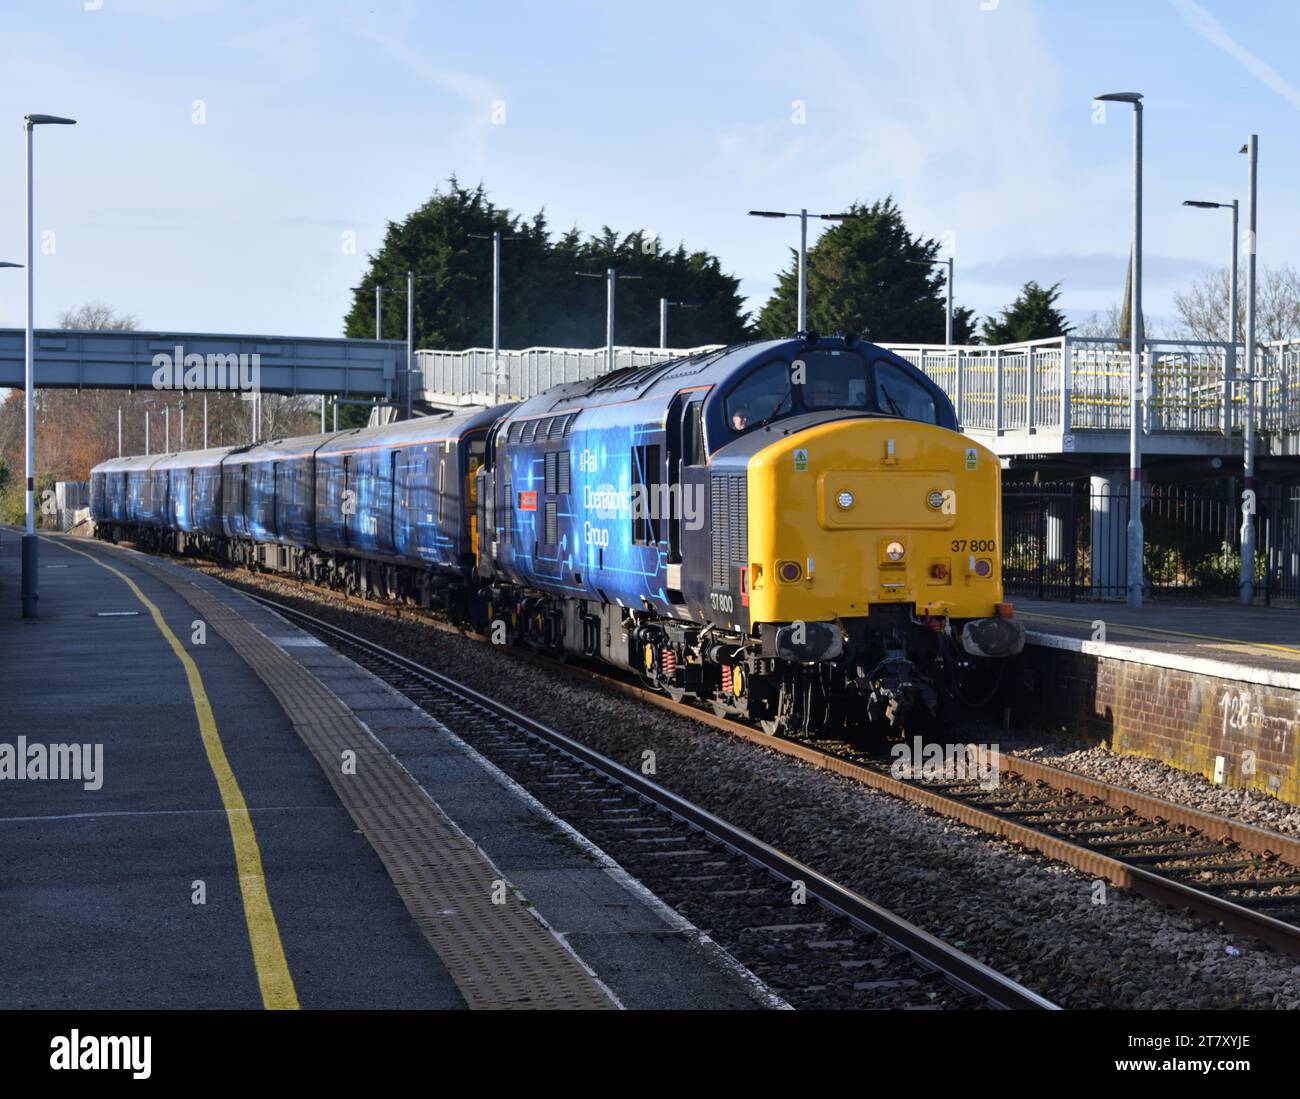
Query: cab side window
[
  {"x": 693, "y": 435},
  {"x": 763, "y": 395},
  {"x": 899, "y": 394}
]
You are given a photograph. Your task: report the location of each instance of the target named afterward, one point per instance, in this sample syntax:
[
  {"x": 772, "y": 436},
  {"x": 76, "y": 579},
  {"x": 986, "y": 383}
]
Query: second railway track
[
  {"x": 1244, "y": 878},
  {"x": 838, "y": 949}
]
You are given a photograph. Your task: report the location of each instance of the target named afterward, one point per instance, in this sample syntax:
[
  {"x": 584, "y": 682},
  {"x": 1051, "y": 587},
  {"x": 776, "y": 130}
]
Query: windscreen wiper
[
  {"x": 893, "y": 404},
  {"x": 768, "y": 418}
]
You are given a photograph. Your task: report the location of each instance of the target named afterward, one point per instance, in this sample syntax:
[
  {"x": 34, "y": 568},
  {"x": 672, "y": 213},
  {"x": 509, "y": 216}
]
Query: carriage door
[
  {"x": 685, "y": 491},
  {"x": 348, "y": 503},
  {"x": 691, "y": 475}
]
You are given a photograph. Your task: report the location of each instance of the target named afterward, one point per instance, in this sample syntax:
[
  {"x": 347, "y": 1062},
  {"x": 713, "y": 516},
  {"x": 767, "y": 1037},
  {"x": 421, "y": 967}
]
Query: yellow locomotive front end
[
  {"x": 874, "y": 512},
  {"x": 874, "y": 543}
]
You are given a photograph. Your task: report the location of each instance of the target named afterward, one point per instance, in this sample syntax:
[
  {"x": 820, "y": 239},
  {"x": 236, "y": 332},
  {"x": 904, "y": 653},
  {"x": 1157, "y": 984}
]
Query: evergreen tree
[
  {"x": 543, "y": 301},
  {"x": 1032, "y": 316},
  {"x": 869, "y": 275}
]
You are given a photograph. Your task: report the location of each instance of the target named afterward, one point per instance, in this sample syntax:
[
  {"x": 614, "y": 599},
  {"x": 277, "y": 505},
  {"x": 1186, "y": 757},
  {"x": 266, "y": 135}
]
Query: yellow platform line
[
  {"x": 273, "y": 976},
  {"x": 1172, "y": 633}
]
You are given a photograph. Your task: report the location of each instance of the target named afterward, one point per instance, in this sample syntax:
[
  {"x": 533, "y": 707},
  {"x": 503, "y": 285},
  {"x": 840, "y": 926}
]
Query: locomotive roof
[{"x": 705, "y": 369}]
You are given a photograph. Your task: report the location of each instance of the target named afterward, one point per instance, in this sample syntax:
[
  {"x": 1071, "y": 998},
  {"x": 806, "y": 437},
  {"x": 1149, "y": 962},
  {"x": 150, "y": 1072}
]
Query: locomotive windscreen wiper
[
  {"x": 768, "y": 418},
  {"x": 893, "y": 404}
]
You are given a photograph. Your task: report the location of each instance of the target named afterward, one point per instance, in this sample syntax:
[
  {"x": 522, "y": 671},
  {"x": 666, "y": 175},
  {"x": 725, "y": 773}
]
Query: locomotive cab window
[
  {"x": 759, "y": 397},
  {"x": 898, "y": 394},
  {"x": 834, "y": 379}
]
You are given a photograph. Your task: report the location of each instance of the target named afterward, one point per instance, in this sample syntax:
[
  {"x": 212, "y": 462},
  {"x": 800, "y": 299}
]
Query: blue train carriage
[
  {"x": 396, "y": 506},
  {"x": 268, "y": 502},
  {"x": 129, "y": 499},
  {"x": 192, "y": 516},
  {"x": 792, "y": 530}
]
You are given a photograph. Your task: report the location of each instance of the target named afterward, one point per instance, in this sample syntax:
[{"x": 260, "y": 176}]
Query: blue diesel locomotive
[{"x": 790, "y": 530}]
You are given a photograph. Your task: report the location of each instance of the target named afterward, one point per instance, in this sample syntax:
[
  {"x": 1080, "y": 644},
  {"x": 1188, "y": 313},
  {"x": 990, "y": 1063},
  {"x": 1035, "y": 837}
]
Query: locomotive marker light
[
  {"x": 30, "y": 122},
  {"x": 935, "y": 499},
  {"x": 844, "y": 500},
  {"x": 1135, "y": 535},
  {"x": 802, "y": 314}
]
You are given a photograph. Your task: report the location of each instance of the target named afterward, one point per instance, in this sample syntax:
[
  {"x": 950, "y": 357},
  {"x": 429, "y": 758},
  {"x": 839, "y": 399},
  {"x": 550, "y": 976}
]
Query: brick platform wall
[{"x": 1185, "y": 717}]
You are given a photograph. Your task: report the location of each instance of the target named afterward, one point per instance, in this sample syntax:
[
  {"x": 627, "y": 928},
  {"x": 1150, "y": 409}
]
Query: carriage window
[
  {"x": 763, "y": 395},
  {"x": 899, "y": 394},
  {"x": 645, "y": 496}
]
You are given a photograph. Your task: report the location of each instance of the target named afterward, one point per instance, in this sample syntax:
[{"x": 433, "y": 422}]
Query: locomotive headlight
[
  {"x": 844, "y": 500},
  {"x": 895, "y": 551}
]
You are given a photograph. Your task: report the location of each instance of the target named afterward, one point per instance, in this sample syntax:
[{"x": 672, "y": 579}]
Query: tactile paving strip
[{"x": 499, "y": 955}]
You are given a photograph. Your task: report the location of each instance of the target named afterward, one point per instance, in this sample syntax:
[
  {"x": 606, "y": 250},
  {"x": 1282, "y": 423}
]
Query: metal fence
[
  {"x": 1069, "y": 541},
  {"x": 1081, "y": 383},
  {"x": 1066, "y": 384},
  {"x": 467, "y": 377}
]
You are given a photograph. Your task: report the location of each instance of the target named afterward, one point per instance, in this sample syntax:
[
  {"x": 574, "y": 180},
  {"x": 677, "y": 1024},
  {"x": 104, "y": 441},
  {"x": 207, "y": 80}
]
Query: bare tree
[
  {"x": 96, "y": 315},
  {"x": 1204, "y": 306},
  {"x": 1107, "y": 325}
]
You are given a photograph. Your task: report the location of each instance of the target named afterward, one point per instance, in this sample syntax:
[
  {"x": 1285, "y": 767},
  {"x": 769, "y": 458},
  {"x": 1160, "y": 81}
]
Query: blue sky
[{"x": 328, "y": 118}]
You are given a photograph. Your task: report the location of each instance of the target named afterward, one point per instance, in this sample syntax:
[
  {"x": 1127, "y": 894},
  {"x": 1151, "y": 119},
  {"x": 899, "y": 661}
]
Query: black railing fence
[{"x": 1069, "y": 540}]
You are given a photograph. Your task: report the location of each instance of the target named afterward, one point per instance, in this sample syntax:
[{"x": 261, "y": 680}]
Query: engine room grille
[{"x": 729, "y": 519}]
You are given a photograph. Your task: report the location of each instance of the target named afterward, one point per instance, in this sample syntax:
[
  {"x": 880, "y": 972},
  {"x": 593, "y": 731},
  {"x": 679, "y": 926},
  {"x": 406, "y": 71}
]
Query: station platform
[
  {"x": 1212, "y": 688},
  {"x": 1265, "y": 638},
  {"x": 202, "y": 806}
]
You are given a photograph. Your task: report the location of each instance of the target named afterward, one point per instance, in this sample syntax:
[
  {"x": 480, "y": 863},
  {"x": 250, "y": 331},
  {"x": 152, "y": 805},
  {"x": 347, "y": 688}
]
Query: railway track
[
  {"x": 1244, "y": 878},
  {"x": 813, "y": 941}
]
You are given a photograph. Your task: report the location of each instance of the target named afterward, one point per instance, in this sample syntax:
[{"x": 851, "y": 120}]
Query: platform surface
[
  {"x": 1254, "y": 637},
  {"x": 101, "y": 884}
]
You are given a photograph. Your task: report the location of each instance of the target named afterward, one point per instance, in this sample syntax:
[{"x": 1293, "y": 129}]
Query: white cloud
[{"x": 1209, "y": 28}]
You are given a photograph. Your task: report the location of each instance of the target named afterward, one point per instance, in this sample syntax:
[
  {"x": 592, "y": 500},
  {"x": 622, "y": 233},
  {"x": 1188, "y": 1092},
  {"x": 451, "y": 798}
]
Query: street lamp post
[
  {"x": 1230, "y": 364},
  {"x": 29, "y": 555},
  {"x": 167, "y": 429},
  {"x": 1251, "y": 149},
  {"x": 1135, "y": 534},
  {"x": 496, "y": 238},
  {"x": 119, "y": 431},
  {"x": 411, "y": 279},
  {"x": 664, "y": 305},
  {"x": 410, "y": 337},
  {"x": 611, "y": 278},
  {"x": 947, "y": 328},
  {"x": 803, "y": 216}
]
